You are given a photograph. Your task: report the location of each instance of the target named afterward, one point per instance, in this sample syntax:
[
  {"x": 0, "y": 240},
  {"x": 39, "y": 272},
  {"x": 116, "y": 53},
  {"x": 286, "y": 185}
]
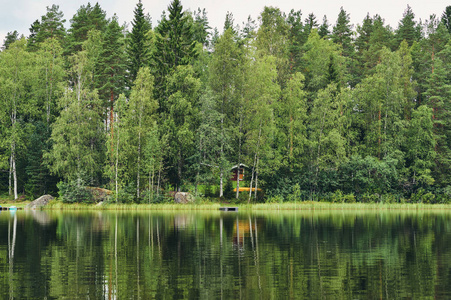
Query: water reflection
[{"x": 225, "y": 255}]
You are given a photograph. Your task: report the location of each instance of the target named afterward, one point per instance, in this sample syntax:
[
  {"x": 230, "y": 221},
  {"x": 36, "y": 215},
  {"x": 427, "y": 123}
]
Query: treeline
[{"x": 314, "y": 111}]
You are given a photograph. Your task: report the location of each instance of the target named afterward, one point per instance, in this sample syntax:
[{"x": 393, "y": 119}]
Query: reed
[
  {"x": 311, "y": 205},
  {"x": 211, "y": 206},
  {"x": 58, "y": 205}
]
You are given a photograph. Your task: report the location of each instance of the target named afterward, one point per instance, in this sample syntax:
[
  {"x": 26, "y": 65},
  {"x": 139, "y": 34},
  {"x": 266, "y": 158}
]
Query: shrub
[
  {"x": 296, "y": 193},
  {"x": 337, "y": 197},
  {"x": 369, "y": 198},
  {"x": 349, "y": 198},
  {"x": 74, "y": 191},
  {"x": 127, "y": 194},
  {"x": 417, "y": 197},
  {"x": 388, "y": 198},
  {"x": 428, "y": 198},
  {"x": 275, "y": 199}
]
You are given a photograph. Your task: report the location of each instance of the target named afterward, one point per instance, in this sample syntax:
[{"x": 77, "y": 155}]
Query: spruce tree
[
  {"x": 323, "y": 29},
  {"x": 201, "y": 27},
  {"x": 138, "y": 50},
  {"x": 446, "y": 18},
  {"x": 297, "y": 39},
  {"x": 174, "y": 46}
]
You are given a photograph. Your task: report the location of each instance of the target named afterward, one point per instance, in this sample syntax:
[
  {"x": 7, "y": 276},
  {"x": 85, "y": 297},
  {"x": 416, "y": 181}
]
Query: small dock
[{"x": 228, "y": 208}]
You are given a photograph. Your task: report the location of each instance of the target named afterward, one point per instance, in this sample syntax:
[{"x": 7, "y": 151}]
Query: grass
[
  {"x": 58, "y": 205},
  {"x": 212, "y": 206},
  {"x": 311, "y": 205}
]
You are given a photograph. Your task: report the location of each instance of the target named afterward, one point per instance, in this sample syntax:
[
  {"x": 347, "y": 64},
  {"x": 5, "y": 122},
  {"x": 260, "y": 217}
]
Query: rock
[
  {"x": 183, "y": 198},
  {"x": 99, "y": 194},
  {"x": 40, "y": 202}
]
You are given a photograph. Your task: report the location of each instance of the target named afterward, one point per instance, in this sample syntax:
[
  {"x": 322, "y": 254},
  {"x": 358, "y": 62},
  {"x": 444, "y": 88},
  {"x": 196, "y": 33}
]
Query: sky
[{"x": 20, "y": 14}]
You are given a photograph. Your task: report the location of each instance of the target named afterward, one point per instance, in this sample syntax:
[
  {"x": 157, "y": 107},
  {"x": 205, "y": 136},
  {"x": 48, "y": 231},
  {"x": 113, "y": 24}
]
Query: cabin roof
[{"x": 241, "y": 166}]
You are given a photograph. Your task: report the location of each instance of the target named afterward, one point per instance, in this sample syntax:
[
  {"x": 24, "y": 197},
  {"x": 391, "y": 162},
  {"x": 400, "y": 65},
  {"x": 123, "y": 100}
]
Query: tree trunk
[
  {"x": 159, "y": 177},
  {"x": 179, "y": 171},
  {"x": 117, "y": 158},
  {"x": 13, "y": 161},
  {"x": 239, "y": 161},
  {"x": 139, "y": 163},
  {"x": 112, "y": 121},
  {"x": 221, "y": 191},
  {"x": 256, "y": 180},
  {"x": 10, "y": 191},
  {"x": 255, "y": 161}
]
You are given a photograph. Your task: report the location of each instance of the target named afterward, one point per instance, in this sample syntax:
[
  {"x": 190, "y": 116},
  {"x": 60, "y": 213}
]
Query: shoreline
[{"x": 287, "y": 206}]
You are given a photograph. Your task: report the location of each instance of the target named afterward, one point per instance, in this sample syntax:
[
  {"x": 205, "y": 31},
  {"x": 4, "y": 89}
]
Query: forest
[{"x": 314, "y": 111}]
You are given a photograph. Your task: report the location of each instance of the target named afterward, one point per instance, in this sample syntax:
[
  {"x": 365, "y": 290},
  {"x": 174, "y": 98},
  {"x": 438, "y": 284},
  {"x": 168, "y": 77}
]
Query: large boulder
[
  {"x": 40, "y": 202},
  {"x": 183, "y": 198},
  {"x": 99, "y": 194}
]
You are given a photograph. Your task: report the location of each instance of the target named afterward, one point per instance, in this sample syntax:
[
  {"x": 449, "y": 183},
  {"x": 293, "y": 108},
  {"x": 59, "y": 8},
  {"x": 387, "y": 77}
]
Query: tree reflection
[{"x": 225, "y": 255}]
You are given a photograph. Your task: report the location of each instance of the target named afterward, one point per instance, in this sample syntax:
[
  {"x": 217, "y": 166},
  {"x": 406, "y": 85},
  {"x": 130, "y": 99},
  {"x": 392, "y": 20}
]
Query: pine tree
[
  {"x": 111, "y": 70},
  {"x": 229, "y": 22},
  {"x": 381, "y": 36},
  {"x": 51, "y": 25},
  {"x": 248, "y": 31},
  {"x": 86, "y": 19},
  {"x": 408, "y": 29},
  {"x": 10, "y": 38},
  {"x": 138, "y": 50},
  {"x": 310, "y": 23}
]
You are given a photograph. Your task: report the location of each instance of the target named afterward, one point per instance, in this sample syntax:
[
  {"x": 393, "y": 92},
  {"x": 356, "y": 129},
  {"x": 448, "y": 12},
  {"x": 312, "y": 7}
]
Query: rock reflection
[{"x": 41, "y": 217}]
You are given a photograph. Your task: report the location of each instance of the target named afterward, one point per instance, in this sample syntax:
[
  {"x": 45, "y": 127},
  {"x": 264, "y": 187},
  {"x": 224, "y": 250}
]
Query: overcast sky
[{"x": 19, "y": 14}]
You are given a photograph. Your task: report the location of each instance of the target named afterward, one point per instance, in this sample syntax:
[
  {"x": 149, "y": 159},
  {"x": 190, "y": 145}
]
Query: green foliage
[
  {"x": 127, "y": 194},
  {"x": 74, "y": 191},
  {"x": 315, "y": 113}
]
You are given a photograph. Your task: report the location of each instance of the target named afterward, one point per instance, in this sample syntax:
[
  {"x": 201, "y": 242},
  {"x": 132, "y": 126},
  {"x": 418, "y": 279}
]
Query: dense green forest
[{"x": 315, "y": 111}]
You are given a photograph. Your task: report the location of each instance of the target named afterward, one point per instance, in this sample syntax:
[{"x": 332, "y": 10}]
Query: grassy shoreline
[{"x": 290, "y": 206}]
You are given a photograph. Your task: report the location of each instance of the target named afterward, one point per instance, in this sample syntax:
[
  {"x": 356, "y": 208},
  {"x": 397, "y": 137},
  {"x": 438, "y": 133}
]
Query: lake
[{"x": 225, "y": 255}]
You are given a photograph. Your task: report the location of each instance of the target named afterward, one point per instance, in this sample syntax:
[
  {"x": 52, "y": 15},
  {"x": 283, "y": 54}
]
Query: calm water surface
[{"x": 332, "y": 255}]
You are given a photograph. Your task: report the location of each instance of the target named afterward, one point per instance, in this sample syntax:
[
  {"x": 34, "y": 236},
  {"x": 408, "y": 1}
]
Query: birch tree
[
  {"x": 139, "y": 120},
  {"x": 77, "y": 136},
  {"x": 16, "y": 70}
]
